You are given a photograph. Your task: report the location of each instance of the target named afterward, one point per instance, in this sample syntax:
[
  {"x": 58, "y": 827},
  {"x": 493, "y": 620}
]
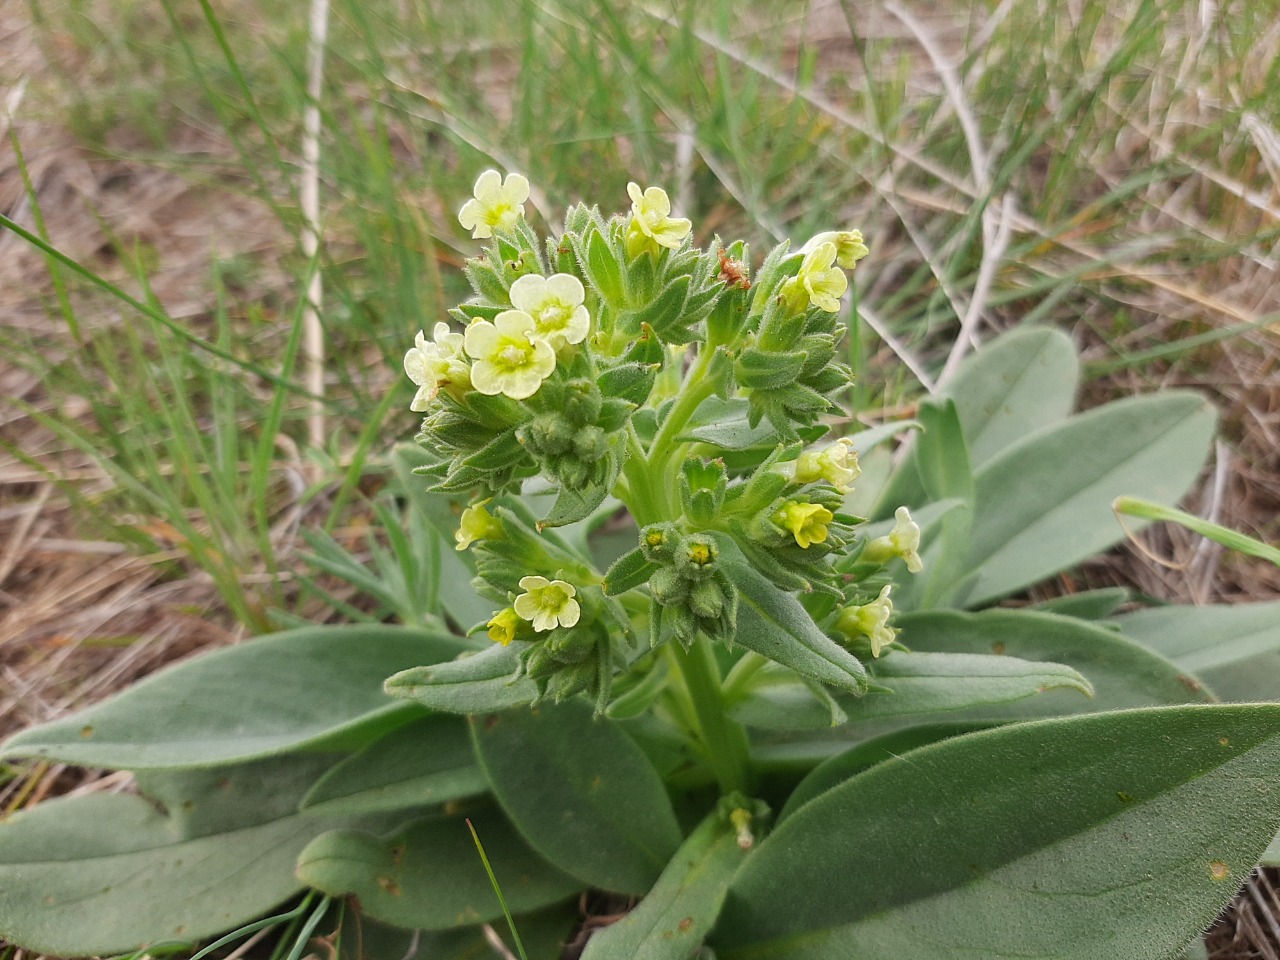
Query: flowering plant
[{"x": 684, "y": 651}]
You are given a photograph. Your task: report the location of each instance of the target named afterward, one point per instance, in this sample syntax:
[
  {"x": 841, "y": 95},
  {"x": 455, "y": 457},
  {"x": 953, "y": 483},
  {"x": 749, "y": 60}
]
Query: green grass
[{"x": 1115, "y": 136}]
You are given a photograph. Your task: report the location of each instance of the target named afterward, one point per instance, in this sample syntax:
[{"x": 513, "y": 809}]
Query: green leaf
[
  {"x": 1016, "y": 384},
  {"x": 581, "y": 792},
  {"x": 1122, "y": 673},
  {"x": 760, "y": 370},
  {"x": 1045, "y": 503},
  {"x": 426, "y": 762},
  {"x": 629, "y": 571},
  {"x": 941, "y": 454},
  {"x": 1039, "y": 840},
  {"x": 1087, "y": 605},
  {"x": 428, "y": 875},
  {"x": 107, "y": 873},
  {"x": 724, "y": 424},
  {"x": 836, "y": 770},
  {"x": 775, "y": 625},
  {"x": 601, "y": 267},
  {"x": 1235, "y": 649},
  {"x": 674, "y": 917},
  {"x": 906, "y": 684},
  {"x": 475, "y": 683},
  {"x": 312, "y": 687}
]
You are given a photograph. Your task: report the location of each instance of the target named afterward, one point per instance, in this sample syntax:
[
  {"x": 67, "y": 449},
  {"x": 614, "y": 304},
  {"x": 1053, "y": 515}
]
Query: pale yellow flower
[
  {"x": 497, "y": 204},
  {"x": 476, "y": 524},
  {"x": 818, "y": 282},
  {"x": 837, "y": 464},
  {"x": 902, "y": 541},
  {"x": 652, "y": 225},
  {"x": 849, "y": 246},
  {"x": 432, "y": 365},
  {"x": 509, "y": 356},
  {"x": 806, "y": 521},
  {"x": 870, "y": 620},
  {"x": 555, "y": 303},
  {"x": 503, "y": 626},
  {"x": 547, "y": 604}
]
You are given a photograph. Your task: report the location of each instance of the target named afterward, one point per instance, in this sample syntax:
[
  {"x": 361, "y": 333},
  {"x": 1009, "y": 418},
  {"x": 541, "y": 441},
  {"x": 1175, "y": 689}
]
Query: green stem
[
  {"x": 725, "y": 740},
  {"x": 641, "y": 498}
]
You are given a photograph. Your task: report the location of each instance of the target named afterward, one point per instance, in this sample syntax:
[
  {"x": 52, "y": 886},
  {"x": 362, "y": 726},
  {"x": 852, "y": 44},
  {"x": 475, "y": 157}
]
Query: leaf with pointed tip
[
  {"x": 474, "y": 683},
  {"x": 906, "y": 684},
  {"x": 581, "y": 792},
  {"x": 1038, "y": 840},
  {"x": 424, "y": 763},
  {"x": 315, "y": 687}
]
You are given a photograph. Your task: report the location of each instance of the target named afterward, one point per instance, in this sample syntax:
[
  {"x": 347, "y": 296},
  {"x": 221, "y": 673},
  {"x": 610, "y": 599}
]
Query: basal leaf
[
  {"x": 1204, "y": 638},
  {"x": 424, "y": 763},
  {"x": 106, "y": 873},
  {"x": 674, "y": 917},
  {"x": 311, "y": 687},
  {"x": 1044, "y": 504},
  {"x": 1040, "y": 840},
  {"x": 1121, "y": 672},
  {"x": 428, "y": 875},
  {"x": 581, "y": 792},
  {"x": 1016, "y": 384}
]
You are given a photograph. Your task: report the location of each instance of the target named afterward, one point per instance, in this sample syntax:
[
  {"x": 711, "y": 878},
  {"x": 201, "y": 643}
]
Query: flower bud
[
  {"x": 696, "y": 560},
  {"x": 582, "y": 401},
  {"x": 870, "y": 620},
  {"x": 547, "y": 434},
  {"x": 660, "y": 541},
  {"x": 902, "y": 541},
  {"x": 706, "y": 599},
  {"x": 590, "y": 444},
  {"x": 668, "y": 587}
]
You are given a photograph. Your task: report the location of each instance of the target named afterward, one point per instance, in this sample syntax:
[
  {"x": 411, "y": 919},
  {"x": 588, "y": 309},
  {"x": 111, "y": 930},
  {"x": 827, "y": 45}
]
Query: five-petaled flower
[
  {"x": 870, "y": 620},
  {"x": 503, "y": 625},
  {"x": 818, "y": 282},
  {"x": 510, "y": 357},
  {"x": 902, "y": 541},
  {"x": 432, "y": 365},
  {"x": 652, "y": 225},
  {"x": 837, "y": 464},
  {"x": 497, "y": 204},
  {"x": 807, "y": 522},
  {"x": 849, "y": 246},
  {"x": 555, "y": 303},
  {"x": 547, "y": 604},
  {"x": 476, "y": 524}
]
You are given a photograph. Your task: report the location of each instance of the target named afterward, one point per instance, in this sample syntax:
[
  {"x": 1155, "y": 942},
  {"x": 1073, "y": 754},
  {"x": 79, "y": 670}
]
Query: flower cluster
[{"x": 620, "y": 360}]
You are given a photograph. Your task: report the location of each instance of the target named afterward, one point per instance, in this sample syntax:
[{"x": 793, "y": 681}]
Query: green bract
[{"x": 682, "y": 648}]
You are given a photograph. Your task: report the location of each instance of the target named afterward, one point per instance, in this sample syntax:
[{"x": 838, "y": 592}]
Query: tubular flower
[
  {"x": 849, "y": 246},
  {"x": 496, "y": 204},
  {"x": 902, "y": 541},
  {"x": 806, "y": 521},
  {"x": 433, "y": 365},
  {"x": 555, "y": 303},
  {"x": 818, "y": 282},
  {"x": 652, "y": 225},
  {"x": 837, "y": 464},
  {"x": 547, "y": 604},
  {"x": 870, "y": 620},
  {"x": 510, "y": 358},
  {"x": 476, "y": 524},
  {"x": 503, "y": 626}
]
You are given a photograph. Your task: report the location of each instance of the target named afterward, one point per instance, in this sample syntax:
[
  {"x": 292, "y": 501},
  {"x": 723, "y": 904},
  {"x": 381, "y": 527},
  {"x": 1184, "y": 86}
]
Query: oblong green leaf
[
  {"x": 1235, "y": 649},
  {"x": 300, "y": 688},
  {"x": 674, "y": 917},
  {"x": 475, "y": 683},
  {"x": 581, "y": 791},
  {"x": 1121, "y": 672},
  {"x": 108, "y": 873},
  {"x": 425, "y": 762},
  {"x": 836, "y": 770},
  {"x": 775, "y": 625},
  {"x": 907, "y": 684},
  {"x": 1040, "y": 840},
  {"x": 1044, "y": 504},
  {"x": 429, "y": 876},
  {"x": 1016, "y": 384}
]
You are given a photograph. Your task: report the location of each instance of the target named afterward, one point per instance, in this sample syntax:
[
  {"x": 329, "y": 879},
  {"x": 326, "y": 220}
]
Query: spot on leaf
[{"x": 1219, "y": 870}]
